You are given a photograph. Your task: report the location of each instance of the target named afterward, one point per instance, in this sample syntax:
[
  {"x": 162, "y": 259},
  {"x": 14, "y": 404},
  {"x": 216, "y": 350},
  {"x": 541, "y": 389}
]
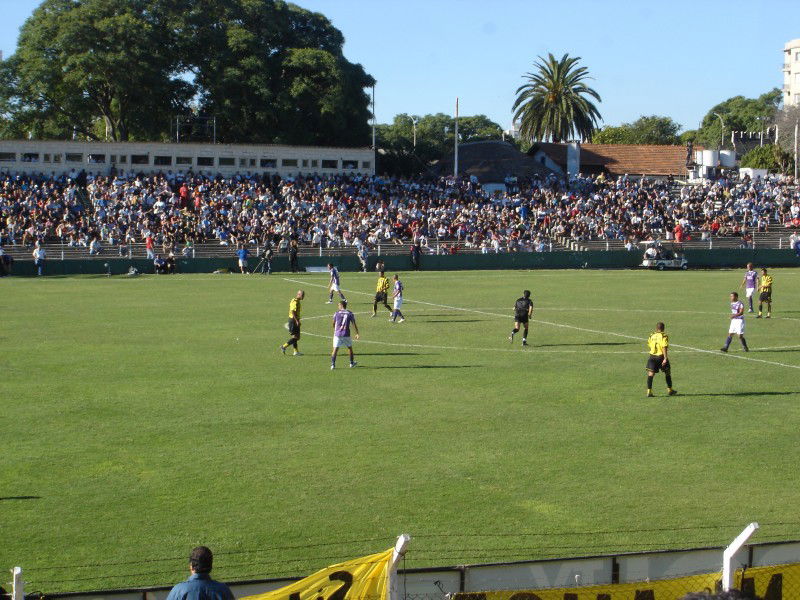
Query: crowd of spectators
[{"x": 172, "y": 212}]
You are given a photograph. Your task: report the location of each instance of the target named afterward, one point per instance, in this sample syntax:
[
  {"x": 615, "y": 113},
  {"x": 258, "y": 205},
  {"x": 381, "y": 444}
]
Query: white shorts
[
  {"x": 749, "y": 292},
  {"x": 398, "y": 302},
  {"x": 334, "y": 287},
  {"x": 242, "y": 263},
  {"x": 737, "y": 326},
  {"x": 342, "y": 342}
]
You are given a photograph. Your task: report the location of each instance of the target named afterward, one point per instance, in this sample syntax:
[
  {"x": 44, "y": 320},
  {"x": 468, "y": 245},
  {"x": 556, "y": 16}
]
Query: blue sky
[{"x": 675, "y": 58}]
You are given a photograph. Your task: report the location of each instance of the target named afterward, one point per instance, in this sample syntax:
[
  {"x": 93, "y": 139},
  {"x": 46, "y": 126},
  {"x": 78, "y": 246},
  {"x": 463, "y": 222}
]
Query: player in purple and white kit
[
  {"x": 333, "y": 286},
  {"x": 750, "y": 283},
  {"x": 737, "y": 323},
  {"x": 397, "y": 294},
  {"x": 342, "y": 320}
]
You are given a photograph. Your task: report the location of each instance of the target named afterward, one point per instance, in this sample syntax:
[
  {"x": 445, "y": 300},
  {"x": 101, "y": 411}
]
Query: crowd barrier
[{"x": 591, "y": 259}]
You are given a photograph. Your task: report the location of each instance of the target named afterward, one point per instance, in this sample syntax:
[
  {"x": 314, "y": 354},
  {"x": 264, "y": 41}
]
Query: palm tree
[{"x": 555, "y": 102}]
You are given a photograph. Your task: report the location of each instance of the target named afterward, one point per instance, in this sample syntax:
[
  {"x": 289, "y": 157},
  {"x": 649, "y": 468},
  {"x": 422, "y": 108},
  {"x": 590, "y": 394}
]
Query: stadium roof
[{"x": 619, "y": 159}]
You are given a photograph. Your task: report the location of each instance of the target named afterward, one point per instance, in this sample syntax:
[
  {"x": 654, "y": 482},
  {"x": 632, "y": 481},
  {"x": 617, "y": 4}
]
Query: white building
[
  {"x": 57, "y": 157},
  {"x": 791, "y": 73}
]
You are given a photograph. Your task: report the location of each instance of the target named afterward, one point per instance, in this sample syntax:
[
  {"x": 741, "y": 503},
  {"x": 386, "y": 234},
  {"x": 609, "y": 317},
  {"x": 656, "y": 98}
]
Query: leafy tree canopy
[
  {"x": 769, "y": 156},
  {"x": 645, "y": 130},
  {"x": 738, "y": 114}
]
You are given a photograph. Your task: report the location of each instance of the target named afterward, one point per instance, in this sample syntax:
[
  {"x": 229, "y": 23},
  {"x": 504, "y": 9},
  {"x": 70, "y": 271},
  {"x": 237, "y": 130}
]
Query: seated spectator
[{"x": 160, "y": 265}]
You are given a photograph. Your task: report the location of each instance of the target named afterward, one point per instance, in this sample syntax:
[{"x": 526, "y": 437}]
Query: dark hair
[
  {"x": 736, "y": 294},
  {"x": 330, "y": 265},
  {"x": 201, "y": 559},
  {"x": 763, "y": 269},
  {"x": 659, "y": 326},
  {"x": 381, "y": 273},
  {"x": 527, "y": 293},
  {"x": 343, "y": 303}
]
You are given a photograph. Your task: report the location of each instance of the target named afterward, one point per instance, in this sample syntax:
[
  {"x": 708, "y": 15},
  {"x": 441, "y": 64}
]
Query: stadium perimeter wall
[
  {"x": 432, "y": 583},
  {"x": 593, "y": 259}
]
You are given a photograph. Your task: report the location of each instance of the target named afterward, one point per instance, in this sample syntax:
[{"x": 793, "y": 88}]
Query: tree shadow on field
[
  {"x": 591, "y": 344},
  {"x": 776, "y": 350},
  {"x": 449, "y": 320},
  {"x": 397, "y": 354},
  {"x": 2, "y": 498},
  {"x": 425, "y": 367},
  {"x": 740, "y": 394}
]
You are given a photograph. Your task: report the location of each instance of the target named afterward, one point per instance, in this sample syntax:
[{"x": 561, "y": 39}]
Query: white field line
[{"x": 576, "y": 328}]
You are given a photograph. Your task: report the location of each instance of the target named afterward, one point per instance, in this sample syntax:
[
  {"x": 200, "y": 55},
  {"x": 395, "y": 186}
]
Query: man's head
[
  {"x": 764, "y": 270},
  {"x": 659, "y": 327},
  {"x": 200, "y": 560},
  {"x": 330, "y": 266},
  {"x": 300, "y": 294},
  {"x": 734, "y": 296},
  {"x": 395, "y": 277},
  {"x": 343, "y": 304},
  {"x": 526, "y": 294},
  {"x": 749, "y": 266},
  {"x": 382, "y": 275}
]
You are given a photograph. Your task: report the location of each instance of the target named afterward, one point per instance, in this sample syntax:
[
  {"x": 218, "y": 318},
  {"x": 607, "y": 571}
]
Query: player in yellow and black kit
[
  {"x": 657, "y": 344},
  {"x": 766, "y": 293},
  {"x": 294, "y": 323},
  {"x": 381, "y": 294}
]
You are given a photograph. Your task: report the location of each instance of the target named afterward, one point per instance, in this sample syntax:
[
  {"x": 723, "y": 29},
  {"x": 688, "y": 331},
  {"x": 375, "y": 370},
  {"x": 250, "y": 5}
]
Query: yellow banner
[
  {"x": 781, "y": 582},
  {"x": 364, "y": 578}
]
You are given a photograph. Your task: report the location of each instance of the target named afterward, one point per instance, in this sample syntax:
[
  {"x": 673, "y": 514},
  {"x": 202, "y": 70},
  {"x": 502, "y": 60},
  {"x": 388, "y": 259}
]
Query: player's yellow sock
[{"x": 649, "y": 393}]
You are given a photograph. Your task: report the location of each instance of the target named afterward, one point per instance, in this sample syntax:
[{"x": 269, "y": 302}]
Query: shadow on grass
[
  {"x": 396, "y": 354},
  {"x": 2, "y": 498},
  {"x": 425, "y": 367},
  {"x": 740, "y": 394},
  {"x": 778, "y": 350},
  {"x": 449, "y": 320},
  {"x": 591, "y": 344}
]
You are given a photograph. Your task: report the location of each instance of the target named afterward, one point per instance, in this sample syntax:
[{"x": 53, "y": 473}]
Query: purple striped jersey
[
  {"x": 736, "y": 307},
  {"x": 398, "y": 288},
  {"x": 334, "y": 275},
  {"x": 342, "y": 321},
  {"x": 750, "y": 279}
]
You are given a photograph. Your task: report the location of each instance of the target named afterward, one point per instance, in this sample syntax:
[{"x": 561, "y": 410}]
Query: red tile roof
[{"x": 618, "y": 159}]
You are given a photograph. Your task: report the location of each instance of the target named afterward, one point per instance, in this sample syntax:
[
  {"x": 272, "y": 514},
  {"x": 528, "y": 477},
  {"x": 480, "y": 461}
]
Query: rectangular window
[
  {"x": 330, "y": 164},
  {"x": 349, "y": 164},
  {"x": 183, "y": 160},
  {"x": 140, "y": 159},
  {"x": 96, "y": 159},
  {"x": 225, "y": 161},
  {"x": 366, "y": 164},
  {"x": 305, "y": 162},
  {"x": 56, "y": 158},
  {"x": 268, "y": 163},
  {"x": 46, "y": 158},
  {"x": 252, "y": 162},
  {"x": 205, "y": 161},
  {"x": 314, "y": 163},
  {"x": 30, "y": 157},
  {"x": 242, "y": 162},
  {"x": 123, "y": 159},
  {"x": 71, "y": 157},
  {"x": 289, "y": 162},
  {"x": 113, "y": 159},
  {"x": 797, "y": 56},
  {"x": 8, "y": 157},
  {"x": 162, "y": 161}
]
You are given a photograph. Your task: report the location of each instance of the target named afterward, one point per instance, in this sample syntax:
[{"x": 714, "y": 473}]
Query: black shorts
[
  {"x": 294, "y": 329},
  {"x": 380, "y": 297},
  {"x": 521, "y": 318},
  {"x": 654, "y": 364},
  {"x": 765, "y": 297}
]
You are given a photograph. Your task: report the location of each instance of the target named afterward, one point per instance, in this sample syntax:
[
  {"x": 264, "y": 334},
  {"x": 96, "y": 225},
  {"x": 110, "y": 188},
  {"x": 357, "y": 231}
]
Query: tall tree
[
  {"x": 644, "y": 130},
  {"x": 737, "y": 114},
  {"x": 555, "y": 103},
  {"x": 80, "y": 62}
]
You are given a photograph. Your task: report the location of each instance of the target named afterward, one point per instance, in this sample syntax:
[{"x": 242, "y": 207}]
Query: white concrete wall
[{"x": 33, "y": 156}]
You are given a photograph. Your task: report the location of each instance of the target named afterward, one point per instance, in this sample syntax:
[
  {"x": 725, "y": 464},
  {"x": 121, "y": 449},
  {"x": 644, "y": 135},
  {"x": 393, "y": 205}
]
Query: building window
[
  {"x": 140, "y": 159},
  {"x": 268, "y": 163},
  {"x": 56, "y": 158},
  {"x": 8, "y": 157},
  {"x": 289, "y": 162},
  {"x": 330, "y": 164},
  {"x": 314, "y": 163},
  {"x": 797, "y": 56},
  {"x": 97, "y": 159},
  {"x": 349, "y": 164},
  {"x": 123, "y": 159},
  {"x": 47, "y": 158},
  {"x": 797, "y": 99},
  {"x": 183, "y": 160},
  {"x": 242, "y": 162},
  {"x": 366, "y": 164},
  {"x": 30, "y": 157},
  {"x": 226, "y": 161},
  {"x": 71, "y": 157},
  {"x": 162, "y": 161},
  {"x": 205, "y": 161}
]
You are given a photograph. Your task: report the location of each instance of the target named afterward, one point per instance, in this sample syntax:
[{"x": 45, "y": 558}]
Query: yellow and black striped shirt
[
  {"x": 657, "y": 342},
  {"x": 383, "y": 285},
  {"x": 294, "y": 307}
]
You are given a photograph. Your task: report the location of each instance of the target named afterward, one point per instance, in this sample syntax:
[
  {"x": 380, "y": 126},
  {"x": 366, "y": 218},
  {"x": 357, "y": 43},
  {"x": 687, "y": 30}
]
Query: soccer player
[
  {"x": 294, "y": 323},
  {"x": 397, "y": 294},
  {"x": 658, "y": 344},
  {"x": 342, "y": 320},
  {"x": 333, "y": 286},
  {"x": 523, "y": 310},
  {"x": 737, "y": 323},
  {"x": 381, "y": 294},
  {"x": 750, "y": 283},
  {"x": 243, "y": 254},
  {"x": 766, "y": 293}
]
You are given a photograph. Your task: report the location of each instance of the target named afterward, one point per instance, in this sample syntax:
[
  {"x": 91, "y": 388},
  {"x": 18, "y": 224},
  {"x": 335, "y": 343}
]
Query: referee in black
[{"x": 523, "y": 310}]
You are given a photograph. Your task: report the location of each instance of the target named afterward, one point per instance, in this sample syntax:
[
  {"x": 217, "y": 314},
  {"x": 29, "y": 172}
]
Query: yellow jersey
[
  {"x": 383, "y": 284},
  {"x": 766, "y": 283},
  {"x": 657, "y": 342},
  {"x": 294, "y": 307}
]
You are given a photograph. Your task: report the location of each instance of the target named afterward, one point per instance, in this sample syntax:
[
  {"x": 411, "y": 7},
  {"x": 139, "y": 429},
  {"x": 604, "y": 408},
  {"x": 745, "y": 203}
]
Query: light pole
[
  {"x": 722, "y": 133},
  {"x": 414, "y": 128}
]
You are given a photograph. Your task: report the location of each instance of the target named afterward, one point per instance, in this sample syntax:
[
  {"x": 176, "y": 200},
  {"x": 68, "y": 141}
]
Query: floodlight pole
[
  {"x": 730, "y": 551},
  {"x": 455, "y": 158},
  {"x": 400, "y": 548},
  {"x": 17, "y": 585}
]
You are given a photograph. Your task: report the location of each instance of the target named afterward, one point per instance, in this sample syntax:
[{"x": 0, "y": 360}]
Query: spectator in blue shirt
[
  {"x": 200, "y": 586},
  {"x": 242, "y": 253}
]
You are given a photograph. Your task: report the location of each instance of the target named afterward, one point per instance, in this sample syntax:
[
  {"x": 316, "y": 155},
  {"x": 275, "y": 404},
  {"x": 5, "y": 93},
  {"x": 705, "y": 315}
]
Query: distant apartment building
[{"x": 791, "y": 73}]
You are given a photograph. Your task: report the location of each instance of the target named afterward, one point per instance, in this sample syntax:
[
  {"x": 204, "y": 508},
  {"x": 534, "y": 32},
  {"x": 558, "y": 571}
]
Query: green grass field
[{"x": 144, "y": 416}]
